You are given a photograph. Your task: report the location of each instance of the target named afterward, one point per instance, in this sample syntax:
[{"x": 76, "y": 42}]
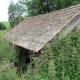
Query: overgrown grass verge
[
  {"x": 7, "y": 59},
  {"x": 59, "y": 62}
]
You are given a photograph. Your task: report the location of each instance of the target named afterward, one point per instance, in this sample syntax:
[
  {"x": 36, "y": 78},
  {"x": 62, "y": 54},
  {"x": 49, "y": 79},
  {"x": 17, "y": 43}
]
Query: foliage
[
  {"x": 6, "y": 51},
  {"x": 56, "y": 62},
  {"x": 15, "y": 14},
  {"x": 7, "y": 57},
  {"x": 11, "y": 13},
  {"x": 76, "y": 2},
  {"x": 35, "y": 7},
  {"x": 67, "y": 58},
  {"x": 40, "y": 7},
  {"x": 16, "y": 21},
  {"x": 2, "y": 26},
  {"x": 6, "y": 24}
]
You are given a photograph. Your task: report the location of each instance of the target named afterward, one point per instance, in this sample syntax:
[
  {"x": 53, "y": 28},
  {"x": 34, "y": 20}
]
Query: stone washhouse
[{"x": 32, "y": 34}]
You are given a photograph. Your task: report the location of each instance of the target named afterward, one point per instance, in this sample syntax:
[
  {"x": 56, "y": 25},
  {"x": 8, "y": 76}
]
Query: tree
[
  {"x": 35, "y": 7},
  {"x": 58, "y": 5},
  {"x": 68, "y": 3},
  {"x": 76, "y": 2},
  {"x": 11, "y": 13},
  {"x": 15, "y": 14}
]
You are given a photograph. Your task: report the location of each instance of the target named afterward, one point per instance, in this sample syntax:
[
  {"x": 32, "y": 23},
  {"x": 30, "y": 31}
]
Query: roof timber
[{"x": 35, "y": 32}]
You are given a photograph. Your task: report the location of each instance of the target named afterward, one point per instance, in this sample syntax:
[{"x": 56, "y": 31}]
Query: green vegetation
[
  {"x": 15, "y": 12},
  {"x": 2, "y": 26},
  {"x": 7, "y": 57},
  {"x": 6, "y": 24},
  {"x": 56, "y": 62},
  {"x": 46, "y": 6},
  {"x": 7, "y": 27}
]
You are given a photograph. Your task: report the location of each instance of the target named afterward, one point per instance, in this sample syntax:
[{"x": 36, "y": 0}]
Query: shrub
[
  {"x": 7, "y": 52},
  {"x": 2, "y": 26}
]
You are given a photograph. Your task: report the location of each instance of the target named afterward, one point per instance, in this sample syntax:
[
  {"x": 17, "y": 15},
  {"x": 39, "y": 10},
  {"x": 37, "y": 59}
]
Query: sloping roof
[{"x": 35, "y": 32}]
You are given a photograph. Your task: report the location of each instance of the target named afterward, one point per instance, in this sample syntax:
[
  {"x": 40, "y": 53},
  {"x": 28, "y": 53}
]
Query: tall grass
[
  {"x": 7, "y": 59},
  {"x": 6, "y": 51}
]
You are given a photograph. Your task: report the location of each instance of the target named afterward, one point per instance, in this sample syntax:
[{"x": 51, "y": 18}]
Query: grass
[{"x": 59, "y": 62}]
